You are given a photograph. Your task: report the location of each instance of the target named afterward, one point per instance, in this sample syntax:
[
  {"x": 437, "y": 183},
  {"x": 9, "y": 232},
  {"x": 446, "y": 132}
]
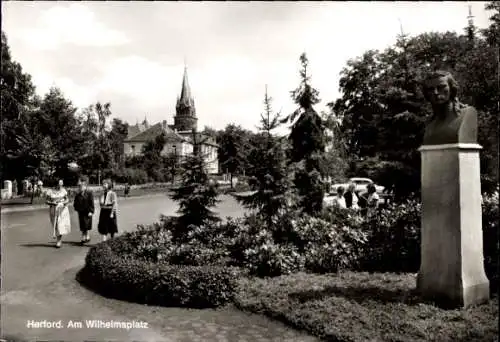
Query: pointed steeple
[
  {"x": 185, "y": 98},
  {"x": 185, "y": 118}
]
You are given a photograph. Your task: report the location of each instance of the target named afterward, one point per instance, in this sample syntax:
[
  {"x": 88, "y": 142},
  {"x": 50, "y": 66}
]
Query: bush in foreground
[
  {"x": 394, "y": 239},
  {"x": 364, "y": 307},
  {"x": 127, "y": 278}
]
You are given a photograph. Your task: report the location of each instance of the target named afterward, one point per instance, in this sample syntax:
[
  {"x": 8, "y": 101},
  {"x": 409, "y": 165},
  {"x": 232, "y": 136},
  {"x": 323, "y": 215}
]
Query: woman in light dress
[
  {"x": 339, "y": 201},
  {"x": 107, "y": 216},
  {"x": 58, "y": 200}
]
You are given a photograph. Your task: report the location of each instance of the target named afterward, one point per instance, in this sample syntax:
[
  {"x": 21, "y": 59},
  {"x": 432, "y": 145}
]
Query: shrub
[
  {"x": 296, "y": 243},
  {"x": 208, "y": 244},
  {"x": 124, "y": 277},
  {"x": 394, "y": 239},
  {"x": 490, "y": 238},
  {"x": 328, "y": 247}
]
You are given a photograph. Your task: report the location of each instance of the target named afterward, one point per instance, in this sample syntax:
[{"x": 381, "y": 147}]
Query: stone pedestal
[
  {"x": 7, "y": 185},
  {"x": 452, "y": 265}
]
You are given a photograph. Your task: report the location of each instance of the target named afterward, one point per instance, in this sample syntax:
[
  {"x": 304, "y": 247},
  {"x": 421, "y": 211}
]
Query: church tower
[{"x": 185, "y": 117}]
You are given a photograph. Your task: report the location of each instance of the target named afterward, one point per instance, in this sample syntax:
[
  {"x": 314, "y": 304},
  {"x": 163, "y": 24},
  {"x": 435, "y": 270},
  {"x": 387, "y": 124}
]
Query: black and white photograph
[{"x": 247, "y": 171}]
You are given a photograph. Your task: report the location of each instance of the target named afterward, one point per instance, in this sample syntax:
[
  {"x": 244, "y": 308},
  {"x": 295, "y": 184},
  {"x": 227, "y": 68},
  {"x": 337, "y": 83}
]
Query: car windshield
[{"x": 361, "y": 181}]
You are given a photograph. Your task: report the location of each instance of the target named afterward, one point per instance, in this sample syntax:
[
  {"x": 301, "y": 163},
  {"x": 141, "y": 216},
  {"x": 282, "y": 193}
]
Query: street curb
[
  {"x": 96, "y": 203},
  {"x": 42, "y": 206}
]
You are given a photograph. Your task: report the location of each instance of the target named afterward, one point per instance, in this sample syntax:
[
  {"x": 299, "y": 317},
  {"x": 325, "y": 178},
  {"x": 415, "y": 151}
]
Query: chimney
[{"x": 164, "y": 125}]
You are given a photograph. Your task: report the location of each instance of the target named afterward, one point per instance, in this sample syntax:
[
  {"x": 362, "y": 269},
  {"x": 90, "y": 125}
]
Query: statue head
[{"x": 439, "y": 88}]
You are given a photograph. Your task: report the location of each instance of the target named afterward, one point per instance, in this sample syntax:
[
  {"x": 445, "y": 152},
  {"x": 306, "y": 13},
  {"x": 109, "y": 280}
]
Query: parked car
[{"x": 360, "y": 183}]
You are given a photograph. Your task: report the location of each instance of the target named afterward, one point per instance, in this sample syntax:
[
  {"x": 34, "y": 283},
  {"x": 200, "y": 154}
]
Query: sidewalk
[{"x": 21, "y": 207}]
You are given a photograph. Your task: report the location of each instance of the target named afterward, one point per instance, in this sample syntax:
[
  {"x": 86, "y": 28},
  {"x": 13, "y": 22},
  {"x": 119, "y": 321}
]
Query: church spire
[
  {"x": 185, "y": 118},
  {"x": 186, "y": 97}
]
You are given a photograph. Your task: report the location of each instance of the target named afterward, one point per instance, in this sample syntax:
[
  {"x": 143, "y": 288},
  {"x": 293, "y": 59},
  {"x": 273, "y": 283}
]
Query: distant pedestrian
[
  {"x": 339, "y": 201},
  {"x": 14, "y": 188},
  {"x": 107, "y": 216},
  {"x": 39, "y": 186},
  {"x": 351, "y": 199},
  {"x": 84, "y": 206},
  {"x": 57, "y": 200},
  {"x": 127, "y": 189}
]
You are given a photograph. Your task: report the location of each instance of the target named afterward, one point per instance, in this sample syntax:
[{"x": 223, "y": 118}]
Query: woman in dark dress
[{"x": 107, "y": 217}]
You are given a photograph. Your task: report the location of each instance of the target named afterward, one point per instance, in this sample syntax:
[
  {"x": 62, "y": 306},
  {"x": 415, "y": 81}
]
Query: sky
[{"x": 132, "y": 54}]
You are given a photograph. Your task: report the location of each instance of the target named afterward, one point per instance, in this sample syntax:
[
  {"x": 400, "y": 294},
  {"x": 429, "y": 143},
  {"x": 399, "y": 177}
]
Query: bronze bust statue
[{"x": 452, "y": 122}]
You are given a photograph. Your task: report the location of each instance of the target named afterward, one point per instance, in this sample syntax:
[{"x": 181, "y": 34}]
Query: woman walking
[
  {"x": 107, "y": 217},
  {"x": 84, "y": 206},
  {"x": 58, "y": 212}
]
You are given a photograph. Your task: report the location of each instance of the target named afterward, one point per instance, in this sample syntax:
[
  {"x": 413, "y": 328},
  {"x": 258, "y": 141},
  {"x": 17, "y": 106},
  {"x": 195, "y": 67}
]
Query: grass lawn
[{"x": 364, "y": 307}]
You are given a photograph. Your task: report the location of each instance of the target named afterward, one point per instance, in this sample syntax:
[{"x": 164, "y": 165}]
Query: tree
[
  {"x": 492, "y": 33},
  {"x": 152, "y": 158},
  {"x": 196, "y": 194},
  {"x": 118, "y": 133},
  {"x": 56, "y": 119},
  {"x": 336, "y": 161},
  {"x": 233, "y": 147},
  {"x": 171, "y": 162},
  {"x": 307, "y": 140},
  {"x": 270, "y": 174},
  {"x": 382, "y": 103},
  {"x": 35, "y": 150},
  {"x": 102, "y": 147},
  {"x": 17, "y": 96}
]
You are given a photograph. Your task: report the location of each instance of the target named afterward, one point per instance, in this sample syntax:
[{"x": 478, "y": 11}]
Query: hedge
[{"x": 145, "y": 282}]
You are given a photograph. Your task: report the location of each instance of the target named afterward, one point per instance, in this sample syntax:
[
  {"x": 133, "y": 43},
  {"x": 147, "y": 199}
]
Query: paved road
[{"x": 38, "y": 283}]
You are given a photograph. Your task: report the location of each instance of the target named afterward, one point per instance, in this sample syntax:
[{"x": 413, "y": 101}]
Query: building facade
[{"x": 179, "y": 135}]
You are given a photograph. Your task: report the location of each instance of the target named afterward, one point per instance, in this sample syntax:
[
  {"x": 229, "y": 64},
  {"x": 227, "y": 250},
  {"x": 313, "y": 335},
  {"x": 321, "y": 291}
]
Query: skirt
[
  {"x": 60, "y": 220},
  {"x": 85, "y": 222},
  {"x": 107, "y": 225}
]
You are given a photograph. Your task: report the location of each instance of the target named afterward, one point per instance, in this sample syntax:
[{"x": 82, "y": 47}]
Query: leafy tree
[
  {"x": 196, "y": 194},
  {"x": 56, "y": 119},
  {"x": 271, "y": 177},
  {"x": 35, "y": 150},
  {"x": 17, "y": 98},
  {"x": 152, "y": 158},
  {"x": 233, "y": 147},
  {"x": 307, "y": 139},
  {"x": 492, "y": 33},
  {"x": 171, "y": 163},
  {"x": 384, "y": 112},
  {"x": 118, "y": 133},
  {"x": 101, "y": 147}
]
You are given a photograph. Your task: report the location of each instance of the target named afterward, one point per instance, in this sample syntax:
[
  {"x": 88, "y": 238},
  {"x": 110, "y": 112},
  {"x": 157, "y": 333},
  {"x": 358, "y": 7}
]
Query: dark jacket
[{"x": 84, "y": 202}]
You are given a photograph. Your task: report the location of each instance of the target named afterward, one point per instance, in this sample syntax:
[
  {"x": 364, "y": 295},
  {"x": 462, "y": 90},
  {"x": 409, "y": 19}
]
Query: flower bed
[
  {"x": 364, "y": 307},
  {"x": 111, "y": 270}
]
